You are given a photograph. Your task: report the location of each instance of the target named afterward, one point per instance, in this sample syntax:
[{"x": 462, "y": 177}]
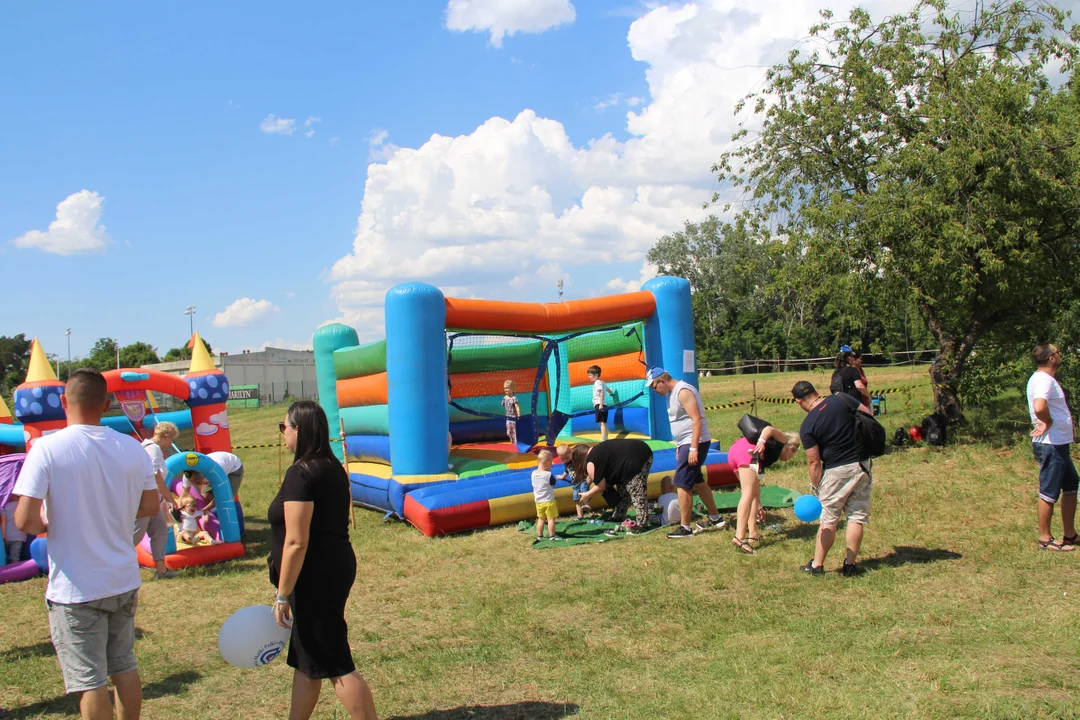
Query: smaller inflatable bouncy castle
[
  {"x": 204, "y": 388},
  {"x": 421, "y": 411},
  {"x": 24, "y": 567}
]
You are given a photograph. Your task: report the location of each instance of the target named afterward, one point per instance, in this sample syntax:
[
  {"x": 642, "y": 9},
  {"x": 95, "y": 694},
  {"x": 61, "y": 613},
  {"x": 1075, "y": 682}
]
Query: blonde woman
[
  {"x": 157, "y": 527},
  {"x": 749, "y": 463}
]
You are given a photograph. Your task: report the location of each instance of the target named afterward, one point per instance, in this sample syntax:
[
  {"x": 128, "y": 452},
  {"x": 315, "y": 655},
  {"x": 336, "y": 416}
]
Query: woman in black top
[
  {"x": 848, "y": 377},
  {"x": 313, "y": 566},
  {"x": 618, "y": 470}
]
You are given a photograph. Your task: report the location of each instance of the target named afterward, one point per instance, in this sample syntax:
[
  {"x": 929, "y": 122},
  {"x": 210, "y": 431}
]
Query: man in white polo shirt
[
  {"x": 94, "y": 483},
  {"x": 1050, "y": 441}
]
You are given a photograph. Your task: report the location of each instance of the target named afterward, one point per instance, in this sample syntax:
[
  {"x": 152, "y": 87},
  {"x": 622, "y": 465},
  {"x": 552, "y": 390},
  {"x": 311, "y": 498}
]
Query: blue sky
[{"x": 440, "y": 149}]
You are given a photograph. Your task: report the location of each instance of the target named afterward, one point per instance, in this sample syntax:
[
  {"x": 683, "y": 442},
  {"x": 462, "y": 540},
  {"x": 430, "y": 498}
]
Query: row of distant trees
[{"x": 15, "y": 356}]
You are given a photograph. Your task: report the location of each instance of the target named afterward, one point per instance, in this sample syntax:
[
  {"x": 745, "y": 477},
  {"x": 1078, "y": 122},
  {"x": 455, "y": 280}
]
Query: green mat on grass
[{"x": 580, "y": 532}]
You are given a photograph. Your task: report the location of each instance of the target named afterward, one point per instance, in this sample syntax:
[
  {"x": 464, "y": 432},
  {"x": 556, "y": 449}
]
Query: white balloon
[{"x": 251, "y": 638}]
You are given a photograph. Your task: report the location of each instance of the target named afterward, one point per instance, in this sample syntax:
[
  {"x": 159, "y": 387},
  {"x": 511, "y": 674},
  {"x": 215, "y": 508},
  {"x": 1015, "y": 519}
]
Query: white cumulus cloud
[
  {"x": 618, "y": 285},
  {"x": 506, "y": 17},
  {"x": 76, "y": 228},
  {"x": 275, "y": 125},
  {"x": 243, "y": 312},
  {"x": 497, "y": 211}
]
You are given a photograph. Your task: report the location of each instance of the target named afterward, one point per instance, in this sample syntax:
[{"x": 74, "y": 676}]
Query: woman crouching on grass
[
  {"x": 313, "y": 566},
  {"x": 749, "y": 463}
]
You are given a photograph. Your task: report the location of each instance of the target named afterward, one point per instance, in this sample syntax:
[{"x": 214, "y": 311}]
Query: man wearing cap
[
  {"x": 692, "y": 439},
  {"x": 838, "y": 476}
]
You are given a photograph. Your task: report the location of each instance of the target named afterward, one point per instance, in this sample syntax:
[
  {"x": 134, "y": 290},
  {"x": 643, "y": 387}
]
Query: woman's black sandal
[{"x": 742, "y": 545}]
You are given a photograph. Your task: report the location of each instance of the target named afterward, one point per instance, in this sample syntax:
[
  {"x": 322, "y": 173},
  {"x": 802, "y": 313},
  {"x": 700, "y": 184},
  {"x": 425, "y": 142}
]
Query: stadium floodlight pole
[
  {"x": 67, "y": 333},
  {"x": 190, "y": 312}
]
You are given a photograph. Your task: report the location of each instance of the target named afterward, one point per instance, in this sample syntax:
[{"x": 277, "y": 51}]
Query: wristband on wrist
[{"x": 281, "y": 599}]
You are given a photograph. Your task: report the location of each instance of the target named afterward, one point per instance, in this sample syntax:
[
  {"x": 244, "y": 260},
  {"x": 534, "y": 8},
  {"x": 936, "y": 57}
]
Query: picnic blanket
[{"x": 580, "y": 532}]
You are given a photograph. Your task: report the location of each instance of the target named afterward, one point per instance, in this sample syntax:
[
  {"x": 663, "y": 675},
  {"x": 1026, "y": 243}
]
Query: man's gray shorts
[
  {"x": 94, "y": 639},
  {"x": 235, "y": 479}
]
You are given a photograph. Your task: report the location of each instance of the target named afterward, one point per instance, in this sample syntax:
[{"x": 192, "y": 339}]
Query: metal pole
[{"x": 68, "y": 334}]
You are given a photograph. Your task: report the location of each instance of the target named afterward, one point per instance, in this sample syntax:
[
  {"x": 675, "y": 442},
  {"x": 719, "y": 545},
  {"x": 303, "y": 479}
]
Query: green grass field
[{"x": 958, "y": 616}]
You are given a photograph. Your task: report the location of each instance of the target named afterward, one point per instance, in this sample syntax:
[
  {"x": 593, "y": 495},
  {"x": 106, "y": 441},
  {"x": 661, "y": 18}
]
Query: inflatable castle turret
[
  {"x": 209, "y": 391},
  {"x": 37, "y": 401}
]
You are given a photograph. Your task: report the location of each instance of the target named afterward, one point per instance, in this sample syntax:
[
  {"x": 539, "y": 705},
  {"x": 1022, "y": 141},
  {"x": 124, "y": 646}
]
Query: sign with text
[{"x": 244, "y": 392}]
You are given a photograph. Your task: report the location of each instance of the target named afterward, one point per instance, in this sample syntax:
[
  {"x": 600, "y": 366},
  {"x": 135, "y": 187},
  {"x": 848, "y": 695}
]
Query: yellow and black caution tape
[
  {"x": 791, "y": 401},
  {"x": 726, "y": 406},
  {"x": 899, "y": 389}
]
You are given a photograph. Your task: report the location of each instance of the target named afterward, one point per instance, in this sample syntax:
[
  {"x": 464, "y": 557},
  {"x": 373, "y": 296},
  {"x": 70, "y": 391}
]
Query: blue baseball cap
[
  {"x": 845, "y": 349},
  {"x": 653, "y": 374}
]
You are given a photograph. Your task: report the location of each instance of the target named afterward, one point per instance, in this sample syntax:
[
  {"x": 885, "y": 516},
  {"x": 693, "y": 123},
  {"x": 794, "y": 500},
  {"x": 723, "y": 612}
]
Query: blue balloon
[
  {"x": 807, "y": 508},
  {"x": 39, "y": 551}
]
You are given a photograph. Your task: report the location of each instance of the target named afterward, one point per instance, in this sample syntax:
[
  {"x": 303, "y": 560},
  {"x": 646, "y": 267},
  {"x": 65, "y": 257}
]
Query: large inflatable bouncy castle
[
  {"x": 204, "y": 389},
  {"x": 422, "y": 414}
]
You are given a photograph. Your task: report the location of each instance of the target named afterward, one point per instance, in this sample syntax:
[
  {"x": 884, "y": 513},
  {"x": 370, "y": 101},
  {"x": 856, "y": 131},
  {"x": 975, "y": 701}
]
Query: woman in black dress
[
  {"x": 313, "y": 566},
  {"x": 619, "y": 471}
]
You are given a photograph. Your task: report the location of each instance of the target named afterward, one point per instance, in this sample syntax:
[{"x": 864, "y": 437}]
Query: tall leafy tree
[
  {"x": 102, "y": 355},
  {"x": 138, "y": 354},
  {"x": 929, "y": 149},
  {"x": 14, "y": 357}
]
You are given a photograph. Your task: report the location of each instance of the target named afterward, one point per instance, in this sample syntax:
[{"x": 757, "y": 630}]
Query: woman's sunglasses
[{"x": 281, "y": 427}]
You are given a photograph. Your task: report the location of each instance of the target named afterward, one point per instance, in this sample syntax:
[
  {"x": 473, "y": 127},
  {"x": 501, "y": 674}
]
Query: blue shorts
[
  {"x": 687, "y": 475},
  {"x": 579, "y": 488},
  {"x": 1057, "y": 473}
]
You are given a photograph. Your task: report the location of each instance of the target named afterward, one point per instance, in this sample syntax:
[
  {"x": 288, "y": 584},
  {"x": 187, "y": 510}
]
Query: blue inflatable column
[
  {"x": 669, "y": 343},
  {"x": 416, "y": 379},
  {"x": 328, "y": 339}
]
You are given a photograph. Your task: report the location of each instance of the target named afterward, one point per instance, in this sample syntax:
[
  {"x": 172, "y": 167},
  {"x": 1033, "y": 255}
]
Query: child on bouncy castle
[
  {"x": 543, "y": 483},
  {"x": 513, "y": 410},
  {"x": 14, "y": 538},
  {"x": 563, "y": 451},
  {"x": 599, "y": 387},
  {"x": 190, "y": 532}
]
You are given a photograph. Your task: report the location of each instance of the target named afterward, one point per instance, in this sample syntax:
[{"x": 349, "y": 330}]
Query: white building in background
[{"x": 277, "y": 372}]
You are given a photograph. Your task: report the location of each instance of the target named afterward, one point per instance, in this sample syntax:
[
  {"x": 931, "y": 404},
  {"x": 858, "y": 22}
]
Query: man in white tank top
[{"x": 692, "y": 440}]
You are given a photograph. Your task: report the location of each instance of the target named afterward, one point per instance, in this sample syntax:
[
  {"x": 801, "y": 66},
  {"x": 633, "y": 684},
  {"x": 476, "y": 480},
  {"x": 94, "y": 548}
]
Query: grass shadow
[
  {"x": 44, "y": 649},
  {"x": 175, "y": 684},
  {"x": 908, "y": 555},
  {"x": 515, "y": 711},
  {"x": 41, "y": 649}
]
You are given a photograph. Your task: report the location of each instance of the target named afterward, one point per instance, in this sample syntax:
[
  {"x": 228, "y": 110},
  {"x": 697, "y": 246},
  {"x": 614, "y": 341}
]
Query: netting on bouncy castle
[{"x": 550, "y": 375}]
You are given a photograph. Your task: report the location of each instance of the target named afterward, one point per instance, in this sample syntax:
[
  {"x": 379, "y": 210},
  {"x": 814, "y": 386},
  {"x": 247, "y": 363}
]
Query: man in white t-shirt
[
  {"x": 1050, "y": 441},
  {"x": 94, "y": 483}
]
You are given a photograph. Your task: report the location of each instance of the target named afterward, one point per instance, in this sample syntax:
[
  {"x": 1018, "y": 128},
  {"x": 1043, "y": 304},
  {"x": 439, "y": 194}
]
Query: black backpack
[
  {"x": 869, "y": 434},
  {"x": 900, "y": 437},
  {"x": 935, "y": 430},
  {"x": 836, "y": 384}
]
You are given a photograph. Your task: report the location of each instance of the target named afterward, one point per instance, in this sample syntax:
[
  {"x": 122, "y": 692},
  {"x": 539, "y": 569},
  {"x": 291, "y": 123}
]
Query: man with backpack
[{"x": 838, "y": 455}]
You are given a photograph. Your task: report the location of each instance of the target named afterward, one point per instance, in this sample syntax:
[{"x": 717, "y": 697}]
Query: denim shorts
[
  {"x": 94, "y": 639},
  {"x": 687, "y": 475},
  {"x": 579, "y": 488},
  {"x": 1057, "y": 473}
]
